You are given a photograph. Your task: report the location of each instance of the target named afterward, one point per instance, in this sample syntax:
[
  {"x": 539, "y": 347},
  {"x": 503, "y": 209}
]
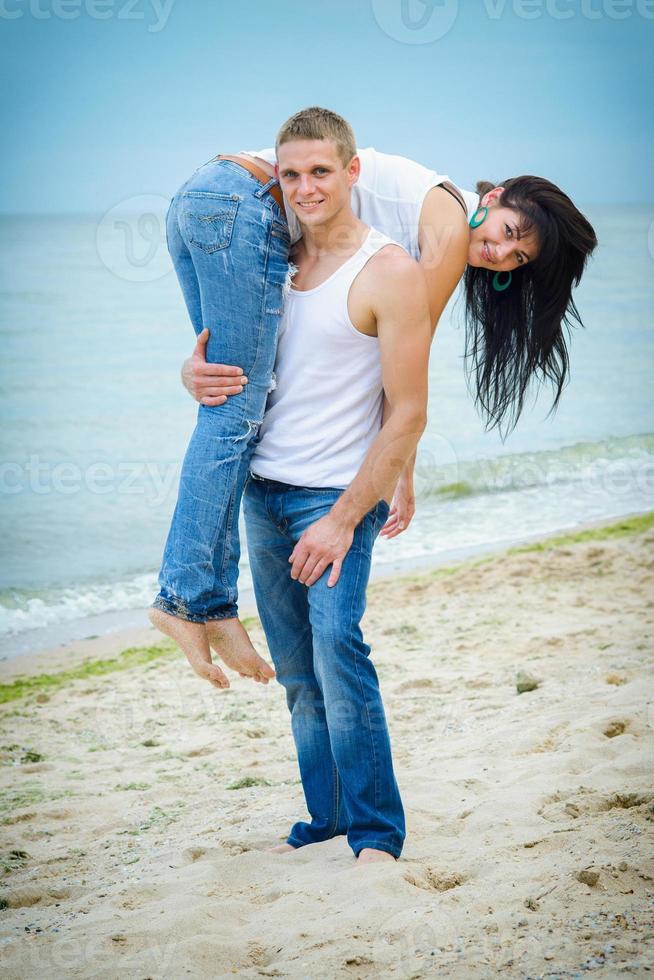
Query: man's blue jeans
[
  {"x": 320, "y": 657},
  {"x": 229, "y": 243}
]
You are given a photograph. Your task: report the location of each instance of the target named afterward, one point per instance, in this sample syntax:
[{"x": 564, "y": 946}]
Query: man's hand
[
  {"x": 403, "y": 506},
  {"x": 210, "y": 384},
  {"x": 324, "y": 543}
]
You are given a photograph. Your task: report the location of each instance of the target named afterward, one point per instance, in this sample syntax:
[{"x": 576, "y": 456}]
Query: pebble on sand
[{"x": 524, "y": 681}]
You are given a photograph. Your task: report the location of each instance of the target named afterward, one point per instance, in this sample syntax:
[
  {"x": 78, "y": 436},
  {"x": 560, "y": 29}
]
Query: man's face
[{"x": 314, "y": 179}]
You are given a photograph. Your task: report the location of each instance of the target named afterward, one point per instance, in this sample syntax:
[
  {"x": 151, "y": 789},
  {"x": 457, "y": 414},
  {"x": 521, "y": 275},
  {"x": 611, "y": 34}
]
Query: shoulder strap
[{"x": 451, "y": 189}]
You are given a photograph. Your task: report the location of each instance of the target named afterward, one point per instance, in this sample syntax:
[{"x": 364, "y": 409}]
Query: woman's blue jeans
[
  {"x": 229, "y": 243},
  {"x": 320, "y": 657}
]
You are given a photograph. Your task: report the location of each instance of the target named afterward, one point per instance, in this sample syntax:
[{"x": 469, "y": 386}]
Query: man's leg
[
  {"x": 284, "y": 611},
  {"x": 358, "y": 733},
  {"x": 230, "y": 255}
]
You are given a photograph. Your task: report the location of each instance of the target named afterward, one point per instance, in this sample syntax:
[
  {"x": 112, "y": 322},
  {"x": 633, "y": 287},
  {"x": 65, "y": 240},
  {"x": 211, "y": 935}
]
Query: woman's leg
[{"x": 229, "y": 246}]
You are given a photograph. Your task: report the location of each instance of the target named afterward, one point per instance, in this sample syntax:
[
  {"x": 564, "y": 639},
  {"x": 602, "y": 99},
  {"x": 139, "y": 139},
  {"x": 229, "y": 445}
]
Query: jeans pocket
[{"x": 208, "y": 219}]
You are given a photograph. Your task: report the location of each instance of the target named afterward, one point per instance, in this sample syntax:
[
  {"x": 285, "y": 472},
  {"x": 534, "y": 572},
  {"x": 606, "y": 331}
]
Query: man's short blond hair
[{"x": 319, "y": 124}]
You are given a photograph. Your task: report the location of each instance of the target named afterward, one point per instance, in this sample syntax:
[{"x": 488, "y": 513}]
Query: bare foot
[
  {"x": 281, "y": 849},
  {"x": 369, "y": 855},
  {"x": 192, "y": 639},
  {"x": 229, "y": 639}
]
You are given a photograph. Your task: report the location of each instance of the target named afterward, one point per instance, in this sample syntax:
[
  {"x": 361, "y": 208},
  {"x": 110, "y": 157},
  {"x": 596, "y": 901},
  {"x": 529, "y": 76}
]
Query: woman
[{"x": 519, "y": 247}]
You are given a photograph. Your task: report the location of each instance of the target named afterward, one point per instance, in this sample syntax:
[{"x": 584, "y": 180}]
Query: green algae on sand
[{"x": 132, "y": 657}]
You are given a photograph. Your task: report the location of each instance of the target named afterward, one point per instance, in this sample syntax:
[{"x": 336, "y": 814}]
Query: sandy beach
[{"x": 137, "y": 801}]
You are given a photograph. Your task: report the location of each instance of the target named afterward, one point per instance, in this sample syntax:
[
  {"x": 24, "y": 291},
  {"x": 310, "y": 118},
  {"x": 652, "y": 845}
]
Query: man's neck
[{"x": 342, "y": 232}]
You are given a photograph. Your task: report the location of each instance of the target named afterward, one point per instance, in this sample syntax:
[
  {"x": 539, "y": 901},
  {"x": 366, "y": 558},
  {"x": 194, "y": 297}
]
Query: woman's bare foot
[
  {"x": 231, "y": 642},
  {"x": 192, "y": 639},
  {"x": 369, "y": 855},
  {"x": 281, "y": 848}
]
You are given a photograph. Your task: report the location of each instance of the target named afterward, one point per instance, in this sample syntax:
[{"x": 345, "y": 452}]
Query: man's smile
[{"x": 309, "y": 205}]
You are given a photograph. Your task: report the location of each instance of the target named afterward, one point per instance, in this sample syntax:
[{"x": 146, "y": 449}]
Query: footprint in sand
[
  {"x": 415, "y": 684},
  {"x": 432, "y": 880},
  {"x": 192, "y": 854},
  {"x": 200, "y": 750},
  {"x": 616, "y": 679},
  {"x": 614, "y": 728},
  {"x": 26, "y": 896},
  {"x": 625, "y": 801},
  {"x": 587, "y": 802},
  {"x": 267, "y": 898},
  {"x": 58, "y": 814},
  {"x": 552, "y": 741}
]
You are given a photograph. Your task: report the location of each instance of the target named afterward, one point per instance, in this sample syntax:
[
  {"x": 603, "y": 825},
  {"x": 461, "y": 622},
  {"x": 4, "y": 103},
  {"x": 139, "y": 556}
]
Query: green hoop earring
[
  {"x": 474, "y": 221},
  {"x": 498, "y": 286}
]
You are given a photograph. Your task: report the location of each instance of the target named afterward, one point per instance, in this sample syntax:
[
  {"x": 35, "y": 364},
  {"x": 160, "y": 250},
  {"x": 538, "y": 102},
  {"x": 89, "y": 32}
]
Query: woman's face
[{"x": 496, "y": 243}]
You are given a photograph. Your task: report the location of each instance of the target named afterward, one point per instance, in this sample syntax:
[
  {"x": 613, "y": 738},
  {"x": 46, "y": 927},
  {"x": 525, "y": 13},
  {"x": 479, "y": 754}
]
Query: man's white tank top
[
  {"x": 327, "y": 407},
  {"x": 389, "y": 195}
]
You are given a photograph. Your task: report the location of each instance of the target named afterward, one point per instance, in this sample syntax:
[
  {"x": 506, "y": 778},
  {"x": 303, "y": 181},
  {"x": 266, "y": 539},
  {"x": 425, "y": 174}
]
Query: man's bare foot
[
  {"x": 192, "y": 639},
  {"x": 281, "y": 848},
  {"x": 229, "y": 639},
  {"x": 369, "y": 855}
]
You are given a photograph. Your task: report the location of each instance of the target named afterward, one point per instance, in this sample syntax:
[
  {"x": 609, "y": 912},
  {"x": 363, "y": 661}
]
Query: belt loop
[
  {"x": 273, "y": 182},
  {"x": 269, "y": 185},
  {"x": 270, "y": 188}
]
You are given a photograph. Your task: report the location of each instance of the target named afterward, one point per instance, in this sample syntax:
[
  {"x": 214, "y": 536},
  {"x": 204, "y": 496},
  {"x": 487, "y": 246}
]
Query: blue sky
[{"x": 110, "y": 99}]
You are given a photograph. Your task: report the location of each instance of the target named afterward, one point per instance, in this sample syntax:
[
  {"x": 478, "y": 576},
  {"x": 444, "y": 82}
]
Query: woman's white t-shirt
[{"x": 388, "y": 196}]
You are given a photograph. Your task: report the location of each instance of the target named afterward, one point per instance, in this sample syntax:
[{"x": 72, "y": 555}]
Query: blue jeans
[
  {"x": 229, "y": 243},
  {"x": 320, "y": 657}
]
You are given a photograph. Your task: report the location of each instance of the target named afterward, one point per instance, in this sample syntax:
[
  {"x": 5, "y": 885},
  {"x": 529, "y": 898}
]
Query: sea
[{"x": 95, "y": 421}]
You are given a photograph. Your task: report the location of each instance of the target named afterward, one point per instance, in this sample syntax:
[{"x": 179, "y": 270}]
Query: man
[{"x": 322, "y": 472}]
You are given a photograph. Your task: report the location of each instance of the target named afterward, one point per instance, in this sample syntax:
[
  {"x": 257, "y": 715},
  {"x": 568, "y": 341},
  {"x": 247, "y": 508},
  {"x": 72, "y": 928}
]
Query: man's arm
[{"x": 398, "y": 298}]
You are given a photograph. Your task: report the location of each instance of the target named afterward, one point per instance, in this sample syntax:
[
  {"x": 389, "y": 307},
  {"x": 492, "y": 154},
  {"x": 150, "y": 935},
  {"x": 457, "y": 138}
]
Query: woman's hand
[
  {"x": 403, "y": 505},
  {"x": 210, "y": 384}
]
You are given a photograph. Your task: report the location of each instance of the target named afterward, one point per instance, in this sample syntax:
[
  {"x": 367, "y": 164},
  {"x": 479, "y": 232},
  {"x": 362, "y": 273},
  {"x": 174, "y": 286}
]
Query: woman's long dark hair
[{"x": 518, "y": 334}]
